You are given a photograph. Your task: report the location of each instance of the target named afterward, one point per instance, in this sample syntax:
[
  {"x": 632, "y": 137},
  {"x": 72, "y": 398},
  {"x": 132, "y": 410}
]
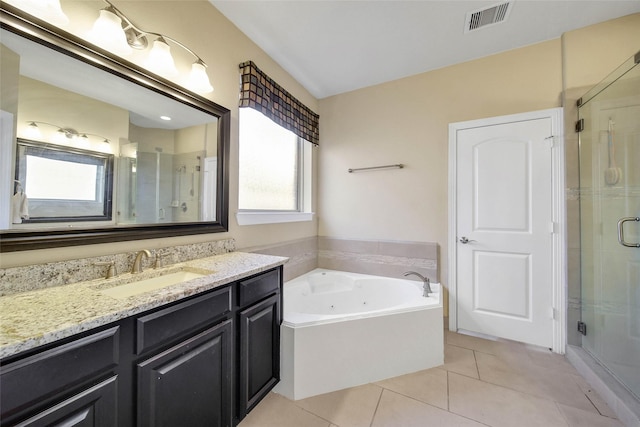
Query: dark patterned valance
[{"x": 261, "y": 93}]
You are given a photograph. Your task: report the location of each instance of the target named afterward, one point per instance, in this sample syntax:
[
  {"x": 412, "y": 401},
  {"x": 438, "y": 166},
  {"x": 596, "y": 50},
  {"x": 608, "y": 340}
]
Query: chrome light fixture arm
[{"x": 137, "y": 37}]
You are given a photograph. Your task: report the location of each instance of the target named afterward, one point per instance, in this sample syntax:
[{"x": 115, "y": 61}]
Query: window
[
  {"x": 64, "y": 183},
  {"x": 275, "y": 157},
  {"x": 269, "y": 164},
  {"x": 274, "y": 171}
]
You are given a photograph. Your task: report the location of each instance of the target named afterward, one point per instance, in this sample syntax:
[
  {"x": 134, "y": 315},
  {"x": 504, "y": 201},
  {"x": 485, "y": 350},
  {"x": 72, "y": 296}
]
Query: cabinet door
[
  {"x": 94, "y": 407},
  {"x": 259, "y": 352},
  {"x": 189, "y": 384}
]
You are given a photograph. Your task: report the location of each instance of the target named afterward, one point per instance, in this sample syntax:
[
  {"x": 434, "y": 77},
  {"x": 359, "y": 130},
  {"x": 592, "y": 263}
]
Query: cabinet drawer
[
  {"x": 178, "y": 320},
  {"x": 96, "y": 406},
  {"x": 258, "y": 287},
  {"x": 31, "y": 380}
]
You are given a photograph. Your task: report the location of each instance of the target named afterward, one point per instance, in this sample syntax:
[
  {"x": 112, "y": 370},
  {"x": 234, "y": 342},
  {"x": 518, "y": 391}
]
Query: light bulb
[
  {"x": 47, "y": 10},
  {"x": 198, "y": 79},
  {"x": 32, "y": 131},
  {"x": 160, "y": 60},
  {"x": 107, "y": 32},
  {"x": 60, "y": 137},
  {"x": 54, "y": 12}
]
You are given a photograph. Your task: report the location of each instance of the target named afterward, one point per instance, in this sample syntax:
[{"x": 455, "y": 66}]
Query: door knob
[{"x": 464, "y": 240}]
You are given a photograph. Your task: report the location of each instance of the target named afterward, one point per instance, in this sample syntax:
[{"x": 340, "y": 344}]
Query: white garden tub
[{"x": 345, "y": 329}]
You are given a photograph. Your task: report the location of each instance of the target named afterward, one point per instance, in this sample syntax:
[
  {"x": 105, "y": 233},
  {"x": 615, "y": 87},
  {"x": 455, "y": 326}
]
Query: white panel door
[{"x": 504, "y": 231}]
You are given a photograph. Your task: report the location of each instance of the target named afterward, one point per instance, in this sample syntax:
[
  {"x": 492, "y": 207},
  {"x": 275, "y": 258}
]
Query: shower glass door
[{"x": 610, "y": 231}]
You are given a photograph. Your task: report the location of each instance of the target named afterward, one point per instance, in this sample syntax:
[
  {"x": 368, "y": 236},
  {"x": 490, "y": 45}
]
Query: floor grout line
[
  {"x": 375, "y": 411},
  {"x": 448, "y": 396},
  {"x": 475, "y": 359}
]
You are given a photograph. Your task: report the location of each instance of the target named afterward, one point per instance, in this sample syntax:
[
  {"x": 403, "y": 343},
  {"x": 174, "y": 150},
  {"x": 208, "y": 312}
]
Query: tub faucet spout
[{"x": 426, "y": 287}]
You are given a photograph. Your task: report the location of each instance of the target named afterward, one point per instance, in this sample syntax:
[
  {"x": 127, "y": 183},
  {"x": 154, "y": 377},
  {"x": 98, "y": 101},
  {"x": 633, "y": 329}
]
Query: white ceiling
[{"x": 335, "y": 46}]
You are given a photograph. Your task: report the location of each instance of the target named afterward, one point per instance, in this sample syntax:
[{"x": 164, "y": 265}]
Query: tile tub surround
[
  {"x": 38, "y": 276},
  {"x": 34, "y": 318},
  {"x": 376, "y": 257},
  {"x": 380, "y": 258},
  {"x": 302, "y": 254}
]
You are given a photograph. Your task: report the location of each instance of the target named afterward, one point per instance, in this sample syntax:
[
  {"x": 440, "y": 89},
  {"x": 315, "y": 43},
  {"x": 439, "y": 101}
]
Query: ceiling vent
[{"x": 487, "y": 16}]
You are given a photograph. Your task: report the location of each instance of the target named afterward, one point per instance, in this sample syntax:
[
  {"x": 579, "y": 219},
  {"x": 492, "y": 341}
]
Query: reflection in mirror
[
  {"x": 63, "y": 183},
  {"x": 163, "y": 154},
  {"x": 115, "y": 155}
]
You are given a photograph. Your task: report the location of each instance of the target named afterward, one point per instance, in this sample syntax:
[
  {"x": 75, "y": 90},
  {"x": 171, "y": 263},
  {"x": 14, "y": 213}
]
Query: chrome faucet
[
  {"x": 137, "y": 264},
  {"x": 425, "y": 280}
]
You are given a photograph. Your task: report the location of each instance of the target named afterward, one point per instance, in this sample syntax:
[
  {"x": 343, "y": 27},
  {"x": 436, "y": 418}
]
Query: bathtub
[{"x": 344, "y": 329}]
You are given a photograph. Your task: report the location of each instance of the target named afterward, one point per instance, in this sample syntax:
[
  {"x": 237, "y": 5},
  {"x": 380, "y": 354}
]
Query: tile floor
[{"x": 482, "y": 383}]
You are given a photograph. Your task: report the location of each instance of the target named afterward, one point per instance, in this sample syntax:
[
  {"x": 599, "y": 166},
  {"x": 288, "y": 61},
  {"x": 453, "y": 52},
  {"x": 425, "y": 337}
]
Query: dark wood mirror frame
[{"x": 15, "y": 21}]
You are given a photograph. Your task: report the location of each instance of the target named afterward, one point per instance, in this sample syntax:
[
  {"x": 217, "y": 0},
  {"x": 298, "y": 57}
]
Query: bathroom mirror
[{"x": 95, "y": 149}]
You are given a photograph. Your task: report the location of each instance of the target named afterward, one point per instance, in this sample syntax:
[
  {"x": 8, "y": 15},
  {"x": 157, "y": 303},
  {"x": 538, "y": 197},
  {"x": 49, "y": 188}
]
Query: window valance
[{"x": 260, "y": 92}]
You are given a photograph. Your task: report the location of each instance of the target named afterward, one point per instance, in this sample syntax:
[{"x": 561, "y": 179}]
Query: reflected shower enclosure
[{"x": 158, "y": 187}]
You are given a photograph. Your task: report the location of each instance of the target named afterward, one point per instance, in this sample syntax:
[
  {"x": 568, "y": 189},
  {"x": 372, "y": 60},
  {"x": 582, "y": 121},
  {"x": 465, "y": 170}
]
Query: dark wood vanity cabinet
[
  {"x": 203, "y": 361},
  {"x": 259, "y": 318},
  {"x": 183, "y": 368},
  {"x": 74, "y": 383},
  {"x": 188, "y": 384}
]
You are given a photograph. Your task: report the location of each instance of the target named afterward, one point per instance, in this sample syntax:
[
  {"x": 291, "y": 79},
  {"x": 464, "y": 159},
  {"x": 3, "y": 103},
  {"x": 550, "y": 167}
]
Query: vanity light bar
[{"x": 114, "y": 31}]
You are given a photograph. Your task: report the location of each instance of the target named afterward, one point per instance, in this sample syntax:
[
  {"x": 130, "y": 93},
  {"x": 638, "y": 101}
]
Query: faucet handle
[
  {"x": 160, "y": 259},
  {"x": 111, "y": 271}
]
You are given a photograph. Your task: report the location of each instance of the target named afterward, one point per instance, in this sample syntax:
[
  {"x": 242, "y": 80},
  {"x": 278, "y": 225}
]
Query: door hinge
[
  {"x": 579, "y": 102},
  {"x": 579, "y": 125},
  {"x": 582, "y": 328}
]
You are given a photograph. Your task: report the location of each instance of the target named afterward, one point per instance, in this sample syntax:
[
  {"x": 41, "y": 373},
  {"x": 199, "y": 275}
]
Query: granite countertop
[{"x": 34, "y": 318}]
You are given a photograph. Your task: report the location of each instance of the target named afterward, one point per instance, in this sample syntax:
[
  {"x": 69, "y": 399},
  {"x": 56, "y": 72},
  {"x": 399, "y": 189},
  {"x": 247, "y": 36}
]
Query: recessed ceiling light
[{"x": 165, "y": 117}]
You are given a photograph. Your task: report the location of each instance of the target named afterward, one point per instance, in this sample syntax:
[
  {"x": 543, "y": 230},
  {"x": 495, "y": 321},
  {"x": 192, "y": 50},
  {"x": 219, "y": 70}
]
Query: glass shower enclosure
[{"x": 609, "y": 118}]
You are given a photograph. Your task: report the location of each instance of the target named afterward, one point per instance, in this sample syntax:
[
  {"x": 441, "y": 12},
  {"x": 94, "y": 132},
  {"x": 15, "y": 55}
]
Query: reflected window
[{"x": 64, "y": 183}]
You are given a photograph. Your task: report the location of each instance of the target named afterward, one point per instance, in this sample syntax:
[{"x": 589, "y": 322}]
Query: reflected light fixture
[
  {"x": 32, "y": 131},
  {"x": 112, "y": 29},
  {"x": 62, "y": 135}
]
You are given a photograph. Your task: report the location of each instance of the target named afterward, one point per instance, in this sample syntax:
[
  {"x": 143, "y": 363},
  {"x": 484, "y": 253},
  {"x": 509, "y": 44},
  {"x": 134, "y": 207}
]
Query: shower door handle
[{"x": 621, "y": 231}]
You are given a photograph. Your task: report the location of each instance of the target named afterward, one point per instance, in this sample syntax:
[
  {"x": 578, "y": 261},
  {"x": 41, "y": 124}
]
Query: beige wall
[
  {"x": 222, "y": 46},
  {"x": 592, "y": 52},
  {"x": 406, "y": 121}
]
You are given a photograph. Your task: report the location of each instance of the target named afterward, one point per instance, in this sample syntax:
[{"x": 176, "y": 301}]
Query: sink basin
[{"x": 153, "y": 283}]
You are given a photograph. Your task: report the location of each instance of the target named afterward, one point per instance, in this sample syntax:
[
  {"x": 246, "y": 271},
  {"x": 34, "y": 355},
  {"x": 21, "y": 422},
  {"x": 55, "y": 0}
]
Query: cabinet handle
[{"x": 621, "y": 231}]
